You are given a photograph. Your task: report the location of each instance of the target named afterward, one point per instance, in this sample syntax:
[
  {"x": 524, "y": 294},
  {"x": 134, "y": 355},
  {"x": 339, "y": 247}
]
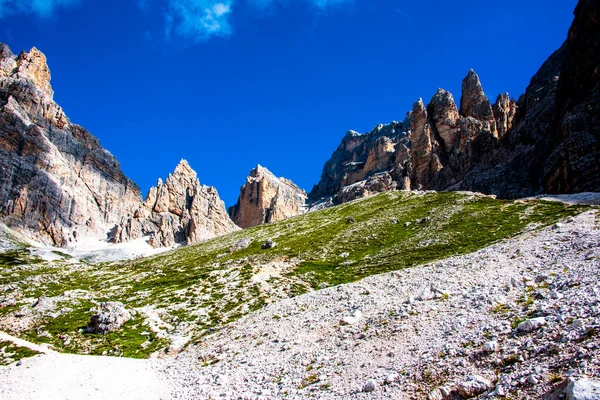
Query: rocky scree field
[
  {"x": 177, "y": 299},
  {"x": 518, "y": 319}
]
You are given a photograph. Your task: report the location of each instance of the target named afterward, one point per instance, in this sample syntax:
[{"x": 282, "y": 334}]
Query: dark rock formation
[
  {"x": 548, "y": 141},
  {"x": 574, "y": 164},
  {"x": 265, "y": 198}
]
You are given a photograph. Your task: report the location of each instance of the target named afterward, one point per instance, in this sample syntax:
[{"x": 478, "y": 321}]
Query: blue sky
[{"x": 228, "y": 84}]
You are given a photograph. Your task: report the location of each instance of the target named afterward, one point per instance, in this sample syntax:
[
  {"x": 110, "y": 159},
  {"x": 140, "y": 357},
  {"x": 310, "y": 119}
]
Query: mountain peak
[
  {"x": 265, "y": 198},
  {"x": 33, "y": 65}
]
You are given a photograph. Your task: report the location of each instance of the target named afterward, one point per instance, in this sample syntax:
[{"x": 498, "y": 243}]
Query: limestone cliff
[
  {"x": 359, "y": 157},
  {"x": 265, "y": 198},
  {"x": 57, "y": 181},
  {"x": 60, "y": 185},
  {"x": 178, "y": 211}
]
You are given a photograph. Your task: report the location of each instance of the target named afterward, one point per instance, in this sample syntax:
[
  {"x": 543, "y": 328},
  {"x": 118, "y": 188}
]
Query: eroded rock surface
[
  {"x": 178, "y": 211},
  {"x": 265, "y": 198},
  {"x": 547, "y": 142},
  {"x": 58, "y": 182},
  {"x": 60, "y": 185}
]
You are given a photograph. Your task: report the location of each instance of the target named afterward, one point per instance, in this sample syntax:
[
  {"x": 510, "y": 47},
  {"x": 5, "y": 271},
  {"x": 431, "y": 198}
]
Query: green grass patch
[{"x": 10, "y": 353}]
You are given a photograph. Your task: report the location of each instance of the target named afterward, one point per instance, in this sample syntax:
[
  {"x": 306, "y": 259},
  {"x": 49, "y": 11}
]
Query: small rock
[
  {"x": 269, "y": 244},
  {"x": 241, "y": 244},
  {"x": 369, "y": 386},
  {"x": 583, "y": 389},
  {"x": 473, "y": 386},
  {"x": 500, "y": 391},
  {"x": 440, "y": 393},
  {"x": 348, "y": 321},
  {"x": 577, "y": 324},
  {"x": 350, "y": 220},
  {"x": 110, "y": 316},
  {"x": 490, "y": 347},
  {"x": 391, "y": 378},
  {"x": 531, "y": 325}
]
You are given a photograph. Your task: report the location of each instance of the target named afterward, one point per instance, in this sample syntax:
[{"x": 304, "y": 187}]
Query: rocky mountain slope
[
  {"x": 178, "y": 297},
  {"x": 60, "y": 185},
  {"x": 265, "y": 198},
  {"x": 284, "y": 322},
  {"x": 514, "y": 320},
  {"x": 545, "y": 142}
]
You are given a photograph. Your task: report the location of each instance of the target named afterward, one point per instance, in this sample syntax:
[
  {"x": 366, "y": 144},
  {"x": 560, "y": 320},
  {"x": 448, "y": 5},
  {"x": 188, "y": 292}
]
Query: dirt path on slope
[{"x": 5, "y": 337}]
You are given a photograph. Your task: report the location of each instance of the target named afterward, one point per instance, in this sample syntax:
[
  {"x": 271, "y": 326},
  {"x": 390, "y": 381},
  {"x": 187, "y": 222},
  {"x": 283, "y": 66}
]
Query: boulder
[
  {"x": 473, "y": 386},
  {"x": 110, "y": 317},
  {"x": 583, "y": 389}
]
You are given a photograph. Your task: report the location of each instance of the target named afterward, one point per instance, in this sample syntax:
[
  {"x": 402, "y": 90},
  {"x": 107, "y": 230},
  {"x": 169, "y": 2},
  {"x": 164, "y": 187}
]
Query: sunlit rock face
[
  {"x": 264, "y": 198},
  {"x": 178, "y": 211},
  {"x": 58, "y": 184},
  {"x": 57, "y": 181}
]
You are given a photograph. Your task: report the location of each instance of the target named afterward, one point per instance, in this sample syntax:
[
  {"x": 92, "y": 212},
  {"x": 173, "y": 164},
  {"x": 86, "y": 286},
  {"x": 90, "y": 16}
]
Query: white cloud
[
  {"x": 198, "y": 20},
  {"x": 42, "y": 8},
  {"x": 192, "y": 20}
]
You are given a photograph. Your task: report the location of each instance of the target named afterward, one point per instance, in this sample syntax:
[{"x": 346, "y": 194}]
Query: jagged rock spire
[{"x": 265, "y": 198}]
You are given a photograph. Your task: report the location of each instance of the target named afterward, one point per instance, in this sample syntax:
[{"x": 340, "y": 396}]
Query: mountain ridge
[{"x": 61, "y": 184}]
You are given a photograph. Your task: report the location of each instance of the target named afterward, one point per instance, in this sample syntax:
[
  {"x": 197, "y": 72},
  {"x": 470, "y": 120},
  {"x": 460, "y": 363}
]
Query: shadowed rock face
[
  {"x": 58, "y": 183},
  {"x": 574, "y": 164},
  {"x": 548, "y": 141},
  {"x": 265, "y": 198}
]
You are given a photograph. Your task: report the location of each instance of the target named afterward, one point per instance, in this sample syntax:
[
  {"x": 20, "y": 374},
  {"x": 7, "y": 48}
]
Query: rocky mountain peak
[
  {"x": 265, "y": 198},
  {"x": 178, "y": 211},
  {"x": 474, "y": 103},
  {"x": 183, "y": 169},
  {"x": 260, "y": 171},
  {"x": 60, "y": 185},
  {"x": 32, "y": 65}
]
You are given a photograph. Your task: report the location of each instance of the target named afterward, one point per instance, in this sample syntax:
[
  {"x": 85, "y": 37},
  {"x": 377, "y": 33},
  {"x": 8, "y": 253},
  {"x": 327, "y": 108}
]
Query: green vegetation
[
  {"x": 195, "y": 290},
  {"x": 10, "y": 353}
]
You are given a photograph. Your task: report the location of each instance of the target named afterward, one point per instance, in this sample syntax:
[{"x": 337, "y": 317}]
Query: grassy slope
[{"x": 199, "y": 288}]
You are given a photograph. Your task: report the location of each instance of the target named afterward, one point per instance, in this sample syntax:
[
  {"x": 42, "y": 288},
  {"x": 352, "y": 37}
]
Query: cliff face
[
  {"x": 548, "y": 141},
  {"x": 359, "y": 157},
  {"x": 574, "y": 164},
  {"x": 178, "y": 211},
  {"x": 434, "y": 148},
  {"x": 59, "y": 184},
  {"x": 265, "y": 198},
  {"x": 57, "y": 181}
]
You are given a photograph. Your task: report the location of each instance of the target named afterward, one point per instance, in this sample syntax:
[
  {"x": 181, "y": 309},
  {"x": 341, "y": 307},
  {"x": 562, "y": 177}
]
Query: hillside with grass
[{"x": 177, "y": 298}]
